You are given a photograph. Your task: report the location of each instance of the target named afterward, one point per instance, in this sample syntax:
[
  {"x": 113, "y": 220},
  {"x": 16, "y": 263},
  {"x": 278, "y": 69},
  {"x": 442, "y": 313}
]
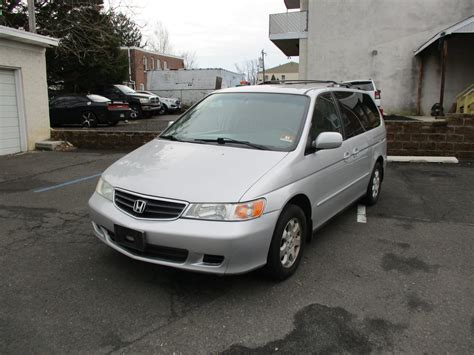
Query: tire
[
  {"x": 163, "y": 109},
  {"x": 88, "y": 119},
  {"x": 286, "y": 248},
  {"x": 375, "y": 185},
  {"x": 136, "y": 113}
]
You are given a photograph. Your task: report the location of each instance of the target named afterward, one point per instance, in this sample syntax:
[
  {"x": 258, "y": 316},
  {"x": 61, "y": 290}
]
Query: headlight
[
  {"x": 104, "y": 189},
  {"x": 226, "y": 211},
  {"x": 144, "y": 101}
]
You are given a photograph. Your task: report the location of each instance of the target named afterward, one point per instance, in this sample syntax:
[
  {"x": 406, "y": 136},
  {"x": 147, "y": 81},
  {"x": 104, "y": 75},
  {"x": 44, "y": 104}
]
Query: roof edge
[
  {"x": 27, "y": 37},
  {"x": 151, "y": 52},
  {"x": 446, "y": 32}
]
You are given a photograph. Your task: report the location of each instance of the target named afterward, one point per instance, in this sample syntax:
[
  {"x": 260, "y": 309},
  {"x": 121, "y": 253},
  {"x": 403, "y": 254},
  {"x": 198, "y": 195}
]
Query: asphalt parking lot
[
  {"x": 402, "y": 282},
  {"x": 149, "y": 124}
]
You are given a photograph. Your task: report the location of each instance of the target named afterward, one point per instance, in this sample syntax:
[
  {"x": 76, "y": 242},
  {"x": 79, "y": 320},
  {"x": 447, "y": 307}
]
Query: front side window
[
  {"x": 273, "y": 121},
  {"x": 349, "y": 106},
  {"x": 325, "y": 117}
]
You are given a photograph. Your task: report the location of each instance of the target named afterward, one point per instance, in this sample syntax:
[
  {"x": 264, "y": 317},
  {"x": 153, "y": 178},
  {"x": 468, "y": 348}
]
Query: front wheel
[
  {"x": 375, "y": 185},
  {"x": 163, "y": 110},
  {"x": 135, "y": 112},
  {"x": 286, "y": 248}
]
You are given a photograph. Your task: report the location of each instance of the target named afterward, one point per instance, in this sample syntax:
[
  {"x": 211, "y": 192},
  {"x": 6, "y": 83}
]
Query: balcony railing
[{"x": 289, "y": 25}]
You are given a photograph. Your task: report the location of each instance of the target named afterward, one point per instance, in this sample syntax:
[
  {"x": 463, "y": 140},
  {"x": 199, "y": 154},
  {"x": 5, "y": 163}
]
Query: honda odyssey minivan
[{"x": 243, "y": 178}]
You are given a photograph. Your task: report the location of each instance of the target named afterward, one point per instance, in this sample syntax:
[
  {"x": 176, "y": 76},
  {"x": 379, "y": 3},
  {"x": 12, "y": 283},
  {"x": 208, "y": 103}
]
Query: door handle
[
  {"x": 347, "y": 155},
  {"x": 355, "y": 151}
]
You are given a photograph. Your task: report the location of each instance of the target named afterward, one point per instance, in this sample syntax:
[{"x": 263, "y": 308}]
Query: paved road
[{"x": 401, "y": 282}]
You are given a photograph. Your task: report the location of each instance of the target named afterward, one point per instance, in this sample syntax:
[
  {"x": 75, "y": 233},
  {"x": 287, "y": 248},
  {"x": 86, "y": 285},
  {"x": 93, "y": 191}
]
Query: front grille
[
  {"x": 156, "y": 252},
  {"x": 155, "y": 208}
]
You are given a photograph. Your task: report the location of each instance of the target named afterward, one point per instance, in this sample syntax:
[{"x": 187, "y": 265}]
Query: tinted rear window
[
  {"x": 363, "y": 85},
  {"x": 350, "y": 111},
  {"x": 97, "y": 98}
]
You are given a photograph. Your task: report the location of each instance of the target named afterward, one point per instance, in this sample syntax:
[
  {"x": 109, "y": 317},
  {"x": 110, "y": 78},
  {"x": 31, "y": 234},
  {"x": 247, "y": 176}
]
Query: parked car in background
[
  {"x": 140, "y": 104},
  {"x": 369, "y": 86},
  {"x": 269, "y": 165},
  {"x": 86, "y": 110},
  {"x": 167, "y": 104}
]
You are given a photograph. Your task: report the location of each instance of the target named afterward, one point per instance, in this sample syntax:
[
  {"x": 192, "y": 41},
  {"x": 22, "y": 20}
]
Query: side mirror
[
  {"x": 170, "y": 123},
  {"x": 327, "y": 140}
]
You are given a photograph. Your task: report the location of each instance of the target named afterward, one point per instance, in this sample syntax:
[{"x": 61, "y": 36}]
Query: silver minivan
[{"x": 244, "y": 178}]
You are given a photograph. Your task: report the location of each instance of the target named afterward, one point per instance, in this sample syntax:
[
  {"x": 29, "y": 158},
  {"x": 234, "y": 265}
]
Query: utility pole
[
  {"x": 31, "y": 16},
  {"x": 263, "y": 65}
]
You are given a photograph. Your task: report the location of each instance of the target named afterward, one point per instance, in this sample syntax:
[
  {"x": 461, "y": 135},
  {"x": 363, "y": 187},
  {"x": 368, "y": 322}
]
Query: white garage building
[{"x": 24, "y": 113}]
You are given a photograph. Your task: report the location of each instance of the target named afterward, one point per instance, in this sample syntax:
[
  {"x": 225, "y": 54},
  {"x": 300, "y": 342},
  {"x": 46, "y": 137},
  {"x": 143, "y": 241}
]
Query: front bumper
[
  {"x": 151, "y": 107},
  {"x": 244, "y": 245}
]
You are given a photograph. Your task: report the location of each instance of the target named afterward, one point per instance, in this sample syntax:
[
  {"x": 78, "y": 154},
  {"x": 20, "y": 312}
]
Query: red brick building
[{"x": 141, "y": 60}]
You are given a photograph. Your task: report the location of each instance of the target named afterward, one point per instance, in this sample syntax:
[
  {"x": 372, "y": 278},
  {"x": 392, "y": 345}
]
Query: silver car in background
[{"x": 243, "y": 178}]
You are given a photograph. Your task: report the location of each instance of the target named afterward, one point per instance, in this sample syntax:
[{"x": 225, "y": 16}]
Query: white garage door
[{"x": 10, "y": 141}]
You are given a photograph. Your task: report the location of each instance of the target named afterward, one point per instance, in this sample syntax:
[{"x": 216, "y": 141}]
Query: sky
[{"x": 220, "y": 32}]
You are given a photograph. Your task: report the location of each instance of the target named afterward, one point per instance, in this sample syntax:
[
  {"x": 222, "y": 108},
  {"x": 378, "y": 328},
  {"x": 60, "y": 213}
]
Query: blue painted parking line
[{"x": 70, "y": 182}]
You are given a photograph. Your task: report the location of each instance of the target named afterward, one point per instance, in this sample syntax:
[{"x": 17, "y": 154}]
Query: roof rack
[{"x": 334, "y": 83}]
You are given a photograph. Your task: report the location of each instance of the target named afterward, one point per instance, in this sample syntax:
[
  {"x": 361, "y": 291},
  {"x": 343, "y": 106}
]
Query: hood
[
  {"x": 141, "y": 96},
  {"x": 191, "y": 172},
  {"x": 167, "y": 99}
]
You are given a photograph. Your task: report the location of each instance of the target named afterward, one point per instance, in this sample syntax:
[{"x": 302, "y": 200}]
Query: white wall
[
  {"x": 189, "y": 85},
  {"x": 355, "y": 39},
  {"x": 31, "y": 62}
]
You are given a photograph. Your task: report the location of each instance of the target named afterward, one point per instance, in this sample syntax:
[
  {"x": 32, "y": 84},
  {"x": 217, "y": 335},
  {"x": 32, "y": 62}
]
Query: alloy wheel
[
  {"x": 375, "y": 184},
  {"x": 290, "y": 243}
]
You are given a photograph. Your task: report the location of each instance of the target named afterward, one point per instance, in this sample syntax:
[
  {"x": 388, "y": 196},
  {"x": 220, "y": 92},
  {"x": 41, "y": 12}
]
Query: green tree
[
  {"x": 88, "y": 55},
  {"x": 126, "y": 30}
]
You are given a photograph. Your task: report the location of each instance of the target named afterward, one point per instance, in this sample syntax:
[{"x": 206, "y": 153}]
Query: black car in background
[
  {"x": 86, "y": 110},
  {"x": 140, "y": 104}
]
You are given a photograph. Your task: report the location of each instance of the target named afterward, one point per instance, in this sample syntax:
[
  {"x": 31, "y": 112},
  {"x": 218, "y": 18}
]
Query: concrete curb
[{"x": 422, "y": 159}]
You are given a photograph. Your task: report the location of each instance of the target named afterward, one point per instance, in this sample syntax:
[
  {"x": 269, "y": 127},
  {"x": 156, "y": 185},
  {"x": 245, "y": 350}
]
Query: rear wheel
[
  {"x": 286, "y": 248},
  {"x": 375, "y": 186},
  {"x": 88, "y": 119}
]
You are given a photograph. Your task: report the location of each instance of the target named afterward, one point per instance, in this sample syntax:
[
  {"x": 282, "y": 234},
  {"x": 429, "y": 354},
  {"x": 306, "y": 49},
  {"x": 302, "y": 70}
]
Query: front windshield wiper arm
[
  {"x": 224, "y": 140},
  {"x": 171, "y": 138}
]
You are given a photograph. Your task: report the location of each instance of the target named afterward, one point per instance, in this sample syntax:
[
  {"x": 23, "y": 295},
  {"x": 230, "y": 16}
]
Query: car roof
[{"x": 293, "y": 88}]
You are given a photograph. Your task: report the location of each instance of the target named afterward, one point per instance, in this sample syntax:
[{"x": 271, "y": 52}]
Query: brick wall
[
  {"x": 138, "y": 72},
  {"x": 453, "y": 136},
  {"x": 96, "y": 139}
]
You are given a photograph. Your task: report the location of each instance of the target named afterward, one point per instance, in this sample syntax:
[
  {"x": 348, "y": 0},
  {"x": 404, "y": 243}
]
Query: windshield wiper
[
  {"x": 171, "y": 138},
  {"x": 224, "y": 140}
]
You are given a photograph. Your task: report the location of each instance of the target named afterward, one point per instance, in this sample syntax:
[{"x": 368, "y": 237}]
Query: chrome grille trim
[{"x": 158, "y": 208}]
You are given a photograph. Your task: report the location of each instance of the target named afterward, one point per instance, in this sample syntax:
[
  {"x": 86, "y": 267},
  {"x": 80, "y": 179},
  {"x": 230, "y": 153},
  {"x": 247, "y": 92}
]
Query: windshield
[
  {"x": 273, "y": 121},
  {"x": 125, "y": 89}
]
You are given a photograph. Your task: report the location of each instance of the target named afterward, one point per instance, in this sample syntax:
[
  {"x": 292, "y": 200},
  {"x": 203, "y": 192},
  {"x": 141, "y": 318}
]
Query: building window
[
  {"x": 142, "y": 86},
  {"x": 152, "y": 63},
  {"x": 145, "y": 64},
  {"x": 283, "y": 77},
  {"x": 266, "y": 77},
  {"x": 158, "y": 64},
  {"x": 165, "y": 65}
]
